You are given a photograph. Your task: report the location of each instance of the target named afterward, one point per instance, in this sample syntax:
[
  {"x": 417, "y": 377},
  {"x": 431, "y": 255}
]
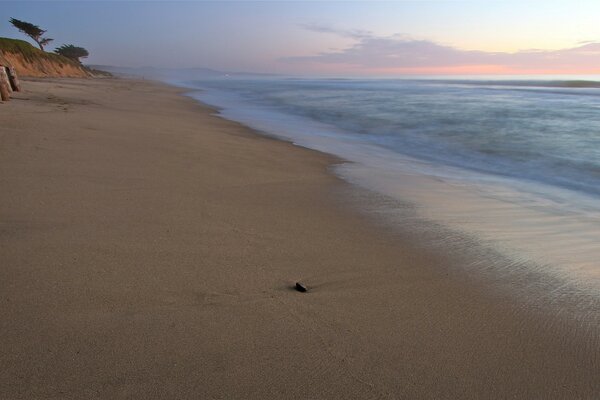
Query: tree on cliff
[
  {"x": 31, "y": 30},
  {"x": 72, "y": 52}
]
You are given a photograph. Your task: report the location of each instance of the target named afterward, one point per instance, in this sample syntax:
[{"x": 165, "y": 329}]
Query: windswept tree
[
  {"x": 72, "y": 52},
  {"x": 31, "y": 30}
]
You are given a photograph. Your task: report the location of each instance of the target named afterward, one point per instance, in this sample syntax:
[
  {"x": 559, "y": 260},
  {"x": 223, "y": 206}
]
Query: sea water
[{"x": 514, "y": 162}]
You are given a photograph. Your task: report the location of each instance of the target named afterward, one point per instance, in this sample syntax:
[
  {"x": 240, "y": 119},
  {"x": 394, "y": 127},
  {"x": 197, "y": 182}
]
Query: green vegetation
[
  {"x": 31, "y": 30},
  {"x": 30, "y": 53},
  {"x": 65, "y": 55},
  {"x": 72, "y": 52}
]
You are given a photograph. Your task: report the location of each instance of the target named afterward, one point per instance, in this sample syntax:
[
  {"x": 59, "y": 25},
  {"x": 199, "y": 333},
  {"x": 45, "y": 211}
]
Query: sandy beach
[{"x": 148, "y": 250}]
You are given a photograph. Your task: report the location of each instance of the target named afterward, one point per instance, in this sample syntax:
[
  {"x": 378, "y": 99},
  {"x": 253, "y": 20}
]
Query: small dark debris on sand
[{"x": 301, "y": 287}]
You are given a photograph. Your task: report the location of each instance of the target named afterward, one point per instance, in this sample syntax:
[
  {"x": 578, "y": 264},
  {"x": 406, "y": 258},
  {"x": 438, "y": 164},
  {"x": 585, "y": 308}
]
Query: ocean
[{"x": 514, "y": 163}]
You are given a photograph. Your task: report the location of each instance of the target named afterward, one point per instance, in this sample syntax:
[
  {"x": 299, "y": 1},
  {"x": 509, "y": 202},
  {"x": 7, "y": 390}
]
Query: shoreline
[
  {"x": 163, "y": 240},
  {"x": 487, "y": 207},
  {"x": 552, "y": 290}
]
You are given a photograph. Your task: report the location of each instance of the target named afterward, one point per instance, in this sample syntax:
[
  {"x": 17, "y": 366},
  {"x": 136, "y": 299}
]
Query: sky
[{"x": 327, "y": 38}]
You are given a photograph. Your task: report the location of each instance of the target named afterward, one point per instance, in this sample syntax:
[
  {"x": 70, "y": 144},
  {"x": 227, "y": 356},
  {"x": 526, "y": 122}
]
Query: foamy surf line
[{"x": 552, "y": 229}]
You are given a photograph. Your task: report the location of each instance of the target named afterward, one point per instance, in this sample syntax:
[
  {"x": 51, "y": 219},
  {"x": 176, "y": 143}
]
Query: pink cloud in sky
[{"x": 399, "y": 54}]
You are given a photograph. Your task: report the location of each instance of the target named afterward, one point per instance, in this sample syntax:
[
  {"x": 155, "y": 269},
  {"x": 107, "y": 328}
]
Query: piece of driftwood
[
  {"x": 10, "y": 89},
  {"x": 4, "y": 85},
  {"x": 14, "y": 79}
]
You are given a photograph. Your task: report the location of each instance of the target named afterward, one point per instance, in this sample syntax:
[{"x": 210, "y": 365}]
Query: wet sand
[{"x": 148, "y": 249}]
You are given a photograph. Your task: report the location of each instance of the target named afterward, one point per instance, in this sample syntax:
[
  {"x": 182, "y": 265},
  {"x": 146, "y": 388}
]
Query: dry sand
[{"x": 147, "y": 251}]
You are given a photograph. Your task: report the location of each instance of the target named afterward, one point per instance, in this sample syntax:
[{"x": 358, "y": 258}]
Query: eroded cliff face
[
  {"x": 31, "y": 61},
  {"x": 44, "y": 67}
]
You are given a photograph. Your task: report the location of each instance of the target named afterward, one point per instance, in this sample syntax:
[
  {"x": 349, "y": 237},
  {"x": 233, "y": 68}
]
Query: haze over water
[{"x": 513, "y": 162}]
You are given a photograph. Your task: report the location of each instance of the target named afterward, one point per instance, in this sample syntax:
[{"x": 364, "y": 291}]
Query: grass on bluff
[{"x": 32, "y": 54}]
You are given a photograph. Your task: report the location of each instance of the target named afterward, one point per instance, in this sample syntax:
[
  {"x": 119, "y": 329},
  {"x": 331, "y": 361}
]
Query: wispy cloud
[
  {"x": 350, "y": 33},
  {"x": 400, "y": 52}
]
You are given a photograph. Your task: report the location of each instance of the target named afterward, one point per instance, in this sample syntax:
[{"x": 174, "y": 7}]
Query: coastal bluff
[{"x": 31, "y": 62}]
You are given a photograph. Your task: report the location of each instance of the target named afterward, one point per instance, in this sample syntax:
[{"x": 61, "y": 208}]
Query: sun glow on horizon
[{"x": 359, "y": 38}]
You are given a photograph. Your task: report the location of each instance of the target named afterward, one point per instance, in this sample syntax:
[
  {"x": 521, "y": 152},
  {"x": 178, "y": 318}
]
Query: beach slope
[{"x": 149, "y": 248}]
